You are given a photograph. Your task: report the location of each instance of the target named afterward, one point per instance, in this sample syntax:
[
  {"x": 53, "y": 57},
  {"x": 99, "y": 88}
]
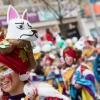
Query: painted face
[
  {"x": 87, "y": 44},
  {"x": 4, "y": 70},
  {"x": 9, "y": 80},
  {"x": 69, "y": 60},
  {"x": 48, "y": 62}
]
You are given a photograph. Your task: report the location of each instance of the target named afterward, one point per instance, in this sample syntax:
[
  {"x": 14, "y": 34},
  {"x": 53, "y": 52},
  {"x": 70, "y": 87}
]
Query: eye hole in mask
[{"x": 5, "y": 70}]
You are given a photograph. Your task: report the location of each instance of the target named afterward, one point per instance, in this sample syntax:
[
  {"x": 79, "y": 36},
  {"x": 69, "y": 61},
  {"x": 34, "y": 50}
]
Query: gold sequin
[{"x": 23, "y": 56}]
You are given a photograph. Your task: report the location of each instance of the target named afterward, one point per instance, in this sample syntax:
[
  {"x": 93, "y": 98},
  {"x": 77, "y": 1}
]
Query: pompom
[
  {"x": 46, "y": 48},
  {"x": 74, "y": 39}
]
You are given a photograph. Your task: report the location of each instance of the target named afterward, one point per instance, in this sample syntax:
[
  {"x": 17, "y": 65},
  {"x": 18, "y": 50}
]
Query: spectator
[
  {"x": 42, "y": 41},
  {"x": 49, "y": 36},
  {"x": 55, "y": 34}
]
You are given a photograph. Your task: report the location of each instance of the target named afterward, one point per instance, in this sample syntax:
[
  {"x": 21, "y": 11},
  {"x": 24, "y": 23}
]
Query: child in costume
[
  {"x": 89, "y": 52},
  {"x": 15, "y": 61},
  {"x": 78, "y": 78},
  {"x": 52, "y": 73},
  {"x": 48, "y": 73}
]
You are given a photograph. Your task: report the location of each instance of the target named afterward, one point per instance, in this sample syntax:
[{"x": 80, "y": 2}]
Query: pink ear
[
  {"x": 24, "y": 16},
  {"x": 82, "y": 39},
  {"x": 12, "y": 13}
]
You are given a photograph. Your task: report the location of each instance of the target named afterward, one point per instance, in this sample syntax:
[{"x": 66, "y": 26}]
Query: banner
[
  {"x": 46, "y": 15},
  {"x": 96, "y": 8},
  {"x": 32, "y": 17}
]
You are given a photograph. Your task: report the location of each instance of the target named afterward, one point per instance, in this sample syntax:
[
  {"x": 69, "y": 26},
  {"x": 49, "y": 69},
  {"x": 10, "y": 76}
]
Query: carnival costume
[
  {"x": 17, "y": 56},
  {"x": 49, "y": 74},
  {"x": 78, "y": 74},
  {"x": 89, "y": 54}
]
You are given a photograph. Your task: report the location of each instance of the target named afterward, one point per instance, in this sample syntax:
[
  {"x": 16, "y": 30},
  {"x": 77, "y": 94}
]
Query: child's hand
[
  {"x": 98, "y": 51},
  {"x": 77, "y": 86}
]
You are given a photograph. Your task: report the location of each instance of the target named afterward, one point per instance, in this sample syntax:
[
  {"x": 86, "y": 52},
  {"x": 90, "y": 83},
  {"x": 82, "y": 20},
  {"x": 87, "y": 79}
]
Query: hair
[
  {"x": 42, "y": 38},
  {"x": 2, "y": 33},
  {"x": 79, "y": 52},
  {"x": 66, "y": 49},
  {"x": 48, "y": 31},
  {"x": 4, "y": 96}
]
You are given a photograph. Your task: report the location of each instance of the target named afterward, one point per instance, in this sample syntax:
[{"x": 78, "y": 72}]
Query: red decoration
[
  {"x": 83, "y": 68},
  {"x": 71, "y": 53},
  {"x": 88, "y": 42},
  {"x": 53, "y": 98},
  {"x": 4, "y": 98},
  {"x": 13, "y": 61},
  {"x": 50, "y": 59}
]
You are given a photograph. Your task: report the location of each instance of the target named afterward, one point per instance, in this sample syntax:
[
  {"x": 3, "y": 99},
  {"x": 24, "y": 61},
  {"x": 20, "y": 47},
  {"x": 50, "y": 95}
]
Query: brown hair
[
  {"x": 79, "y": 52},
  {"x": 2, "y": 29}
]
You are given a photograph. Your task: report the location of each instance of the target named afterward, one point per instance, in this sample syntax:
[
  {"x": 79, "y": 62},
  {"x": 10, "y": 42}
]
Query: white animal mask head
[
  {"x": 80, "y": 44},
  {"x": 19, "y": 28}
]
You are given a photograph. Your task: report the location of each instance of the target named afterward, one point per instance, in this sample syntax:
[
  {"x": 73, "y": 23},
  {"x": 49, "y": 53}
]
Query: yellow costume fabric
[
  {"x": 68, "y": 75},
  {"x": 86, "y": 95},
  {"x": 88, "y": 53},
  {"x": 60, "y": 87},
  {"x": 36, "y": 98},
  {"x": 37, "y": 55},
  {"x": 46, "y": 72}
]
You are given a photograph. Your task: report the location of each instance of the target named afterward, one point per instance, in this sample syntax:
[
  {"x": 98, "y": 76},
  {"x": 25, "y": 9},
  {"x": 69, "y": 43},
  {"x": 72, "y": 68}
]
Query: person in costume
[
  {"x": 89, "y": 52},
  {"x": 49, "y": 36},
  {"x": 52, "y": 73},
  {"x": 98, "y": 45},
  {"x": 56, "y": 34},
  {"x": 15, "y": 61},
  {"x": 96, "y": 65},
  {"x": 79, "y": 79},
  {"x": 48, "y": 73},
  {"x": 42, "y": 40}
]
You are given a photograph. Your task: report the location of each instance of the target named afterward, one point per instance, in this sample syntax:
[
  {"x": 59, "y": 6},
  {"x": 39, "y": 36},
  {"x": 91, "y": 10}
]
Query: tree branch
[
  {"x": 51, "y": 8},
  {"x": 73, "y": 8},
  {"x": 59, "y": 7}
]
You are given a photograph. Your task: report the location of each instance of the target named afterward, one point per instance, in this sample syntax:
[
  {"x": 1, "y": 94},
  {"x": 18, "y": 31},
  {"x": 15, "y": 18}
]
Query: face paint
[
  {"x": 47, "y": 62},
  {"x": 69, "y": 60},
  {"x": 5, "y": 71}
]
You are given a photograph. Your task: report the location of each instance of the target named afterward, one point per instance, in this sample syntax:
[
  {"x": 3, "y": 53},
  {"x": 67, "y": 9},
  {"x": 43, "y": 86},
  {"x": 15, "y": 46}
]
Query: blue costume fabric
[
  {"x": 85, "y": 82},
  {"x": 97, "y": 68}
]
